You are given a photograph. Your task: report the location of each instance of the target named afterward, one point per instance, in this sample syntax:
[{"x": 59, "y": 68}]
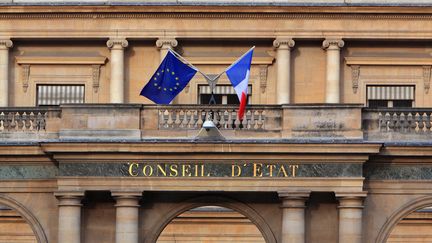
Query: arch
[
  {"x": 26, "y": 215},
  {"x": 399, "y": 214},
  {"x": 201, "y": 201}
]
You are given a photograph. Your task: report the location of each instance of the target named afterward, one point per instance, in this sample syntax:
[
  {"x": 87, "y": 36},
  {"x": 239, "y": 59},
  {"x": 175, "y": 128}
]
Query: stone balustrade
[
  {"x": 25, "y": 119},
  {"x": 398, "y": 124},
  {"x": 136, "y": 122},
  {"x": 224, "y": 117}
]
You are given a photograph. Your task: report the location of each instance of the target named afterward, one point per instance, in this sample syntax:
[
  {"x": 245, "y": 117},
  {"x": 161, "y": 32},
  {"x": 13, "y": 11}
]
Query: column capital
[
  {"x": 351, "y": 200},
  {"x": 293, "y": 199},
  {"x": 280, "y": 43},
  {"x": 163, "y": 43},
  {"x": 126, "y": 198},
  {"x": 117, "y": 43},
  {"x": 333, "y": 44},
  {"x": 69, "y": 198},
  {"x": 5, "y": 44}
]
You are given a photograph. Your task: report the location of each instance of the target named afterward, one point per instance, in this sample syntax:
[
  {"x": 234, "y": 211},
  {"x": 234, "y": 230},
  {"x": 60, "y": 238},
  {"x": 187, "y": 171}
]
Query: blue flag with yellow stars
[{"x": 169, "y": 80}]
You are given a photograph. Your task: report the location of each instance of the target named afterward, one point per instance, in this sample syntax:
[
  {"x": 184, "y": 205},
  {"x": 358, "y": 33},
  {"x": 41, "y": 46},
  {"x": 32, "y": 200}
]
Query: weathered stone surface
[
  {"x": 398, "y": 172},
  {"x": 27, "y": 172}
]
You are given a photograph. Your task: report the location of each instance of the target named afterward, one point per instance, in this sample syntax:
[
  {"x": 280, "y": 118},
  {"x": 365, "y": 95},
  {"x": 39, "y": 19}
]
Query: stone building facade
[{"x": 334, "y": 147}]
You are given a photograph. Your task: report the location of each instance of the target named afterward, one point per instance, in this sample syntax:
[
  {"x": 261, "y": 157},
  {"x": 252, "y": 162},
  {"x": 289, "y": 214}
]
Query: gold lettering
[
  {"x": 293, "y": 170},
  {"x": 202, "y": 171},
  {"x": 173, "y": 170},
  {"x": 131, "y": 169},
  {"x": 196, "y": 170},
  {"x": 186, "y": 170},
  {"x": 236, "y": 171},
  {"x": 271, "y": 167},
  {"x": 257, "y": 169},
  {"x": 282, "y": 169},
  {"x": 148, "y": 170},
  {"x": 162, "y": 170}
]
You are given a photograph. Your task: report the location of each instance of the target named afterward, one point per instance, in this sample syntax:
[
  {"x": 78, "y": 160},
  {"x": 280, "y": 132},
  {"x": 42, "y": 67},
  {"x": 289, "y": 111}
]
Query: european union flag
[{"x": 169, "y": 80}]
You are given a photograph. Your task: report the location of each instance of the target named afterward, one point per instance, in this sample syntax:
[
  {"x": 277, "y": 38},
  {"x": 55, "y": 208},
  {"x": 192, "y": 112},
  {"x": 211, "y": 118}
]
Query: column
[
  {"x": 69, "y": 224},
  {"x": 293, "y": 216},
  {"x": 117, "y": 47},
  {"x": 283, "y": 57},
  {"x": 350, "y": 217},
  {"x": 164, "y": 44},
  {"x": 4, "y": 72},
  {"x": 127, "y": 214},
  {"x": 333, "y": 69}
]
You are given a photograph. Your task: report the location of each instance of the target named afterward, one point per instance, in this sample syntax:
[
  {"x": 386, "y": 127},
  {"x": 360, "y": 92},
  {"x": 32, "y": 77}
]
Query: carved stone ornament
[
  {"x": 165, "y": 43},
  {"x": 25, "y": 77},
  {"x": 333, "y": 44},
  {"x": 355, "y": 73},
  {"x": 284, "y": 43},
  {"x": 117, "y": 43},
  {"x": 5, "y": 44},
  {"x": 95, "y": 77},
  {"x": 263, "y": 78},
  {"x": 426, "y": 78}
]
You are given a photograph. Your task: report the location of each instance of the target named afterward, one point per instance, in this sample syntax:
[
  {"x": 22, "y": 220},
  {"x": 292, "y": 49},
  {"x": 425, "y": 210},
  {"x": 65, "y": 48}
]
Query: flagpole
[
  {"x": 253, "y": 47},
  {"x": 192, "y": 66}
]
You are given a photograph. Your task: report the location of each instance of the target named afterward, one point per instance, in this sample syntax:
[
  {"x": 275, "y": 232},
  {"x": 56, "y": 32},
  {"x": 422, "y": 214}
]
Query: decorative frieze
[
  {"x": 426, "y": 78},
  {"x": 25, "y": 77},
  {"x": 355, "y": 75},
  {"x": 263, "y": 78},
  {"x": 95, "y": 77}
]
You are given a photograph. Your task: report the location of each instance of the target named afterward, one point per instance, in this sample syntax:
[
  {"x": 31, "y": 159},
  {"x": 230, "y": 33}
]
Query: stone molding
[
  {"x": 163, "y": 43},
  {"x": 333, "y": 44},
  {"x": 284, "y": 43},
  {"x": 228, "y": 15},
  {"x": 117, "y": 43}
]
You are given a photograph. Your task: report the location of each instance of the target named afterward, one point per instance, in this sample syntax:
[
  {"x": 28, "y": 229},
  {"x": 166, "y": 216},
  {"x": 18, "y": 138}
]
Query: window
[
  {"x": 390, "y": 96},
  {"x": 223, "y": 94},
  {"x": 59, "y": 94}
]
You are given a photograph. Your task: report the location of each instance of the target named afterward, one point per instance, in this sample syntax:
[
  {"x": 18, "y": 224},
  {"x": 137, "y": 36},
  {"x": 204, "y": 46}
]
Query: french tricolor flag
[{"x": 238, "y": 74}]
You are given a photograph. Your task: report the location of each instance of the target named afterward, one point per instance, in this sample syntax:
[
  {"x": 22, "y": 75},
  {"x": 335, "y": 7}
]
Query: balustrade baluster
[
  {"x": 32, "y": 121},
  {"x": 178, "y": 120},
  {"x": 2, "y": 121},
  {"x": 427, "y": 119},
  {"x": 402, "y": 122},
  {"x": 420, "y": 122},
  {"x": 40, "y": 121}
]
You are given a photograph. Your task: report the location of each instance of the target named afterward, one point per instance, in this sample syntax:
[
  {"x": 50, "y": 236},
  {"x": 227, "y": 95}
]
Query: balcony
[{"x": 135, "y": 122}]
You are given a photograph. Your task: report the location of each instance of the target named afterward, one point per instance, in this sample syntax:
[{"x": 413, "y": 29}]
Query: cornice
[
  {"x": 52, "y": 8},
  {"x": 211, "y": 15}
]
